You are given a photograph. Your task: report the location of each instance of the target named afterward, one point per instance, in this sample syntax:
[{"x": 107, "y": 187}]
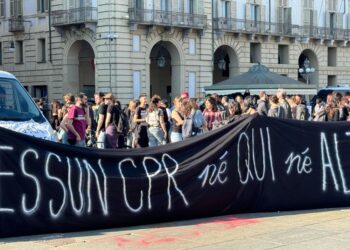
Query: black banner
[{"x": 254, "y": 164}]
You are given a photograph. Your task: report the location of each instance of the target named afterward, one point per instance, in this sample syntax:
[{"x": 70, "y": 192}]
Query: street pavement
[{"x": 314, "y": 229}]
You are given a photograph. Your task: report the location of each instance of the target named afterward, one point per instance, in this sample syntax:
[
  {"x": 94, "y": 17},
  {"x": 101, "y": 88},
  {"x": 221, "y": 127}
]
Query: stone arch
[
  {"x": 79, "y": 67},
  {"x": 175, "y": 69},
  {"x": 227, "y": 54},
  {"x": 314, "y": 63}
]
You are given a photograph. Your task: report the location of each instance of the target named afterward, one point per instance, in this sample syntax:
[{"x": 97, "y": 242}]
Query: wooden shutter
[
  {"x": 228, "y": 9},
  {"x": 332, "y": 5},
  {"x": 288, "y": 20},
  {"x": 248, "y": 18},
  {"x": 186, "y": 6},
  {"x": 314, "y": 18},
  {"x": 261, "y": 19},
  {"x": 233, "y": 9},
  {"x": 307, "y": 17},
  {"x": 217, "y": 8},
  {"x": 327, "y": 19},
  {"x": 46, "y": 5},
  {"x": 12, "y": 8},
  {"x": 88, "y": 3},
  {"x": 2, "y": 8},
  {"x": 339, "y": 17},
  {"x": 71, "y": 4},
  {"x": 19, "y": 8},
  {"x": 279, "y": 19},
  {"x": 248, "y": 11},
  {"x": 195, "y": 7}
]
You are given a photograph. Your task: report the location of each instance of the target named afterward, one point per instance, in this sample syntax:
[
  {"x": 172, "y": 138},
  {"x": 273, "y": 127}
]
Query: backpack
[
  {"x": 123, "y": 123},
  {"x": 187, "y": 127},
  {"x": 304, "y": 114}
]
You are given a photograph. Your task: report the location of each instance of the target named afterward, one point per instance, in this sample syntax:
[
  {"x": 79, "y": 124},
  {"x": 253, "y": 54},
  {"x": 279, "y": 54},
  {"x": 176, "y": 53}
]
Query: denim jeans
[
  {"x": 65, "y": 137},
  {"x": 80, "y": 143},
  {"x": 155, "y": 136},
  {"x": 175, "y": 137},
  {"x": 101, "y": 140}
]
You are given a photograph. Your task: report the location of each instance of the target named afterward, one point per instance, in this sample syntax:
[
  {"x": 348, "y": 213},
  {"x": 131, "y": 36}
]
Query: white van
[{"x": 18, "y": 111}]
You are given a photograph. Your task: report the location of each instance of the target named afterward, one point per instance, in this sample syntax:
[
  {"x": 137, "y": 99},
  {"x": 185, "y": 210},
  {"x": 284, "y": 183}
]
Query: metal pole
[
  {"x": 212, "y": 37},
  {"x": 270, "y": 15},
  {"x": 109, "y": 48},
  {"x": 50, "y": 34}
]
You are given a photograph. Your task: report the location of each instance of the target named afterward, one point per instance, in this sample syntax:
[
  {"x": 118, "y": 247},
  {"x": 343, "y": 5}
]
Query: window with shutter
[
  {"x": 309, "y": 4},
  {"x": 339, "y": 20},
  {"x": 16, "y": 8},
  {"x": 280, "y": 18},
  {"x": 332, "y": 5},
  {"x": 2, "y": 8},
  {"x": 191, "y": 6},
  {"x": 12, "y": 8},
  {"x": 46, "y": 5},
  {"x": 42, "y": 5},
  {"x": 283, "y": 3},
  {"x": 226, "y": 9},
  {"x": 19, "y": 8},
  {"x": 71, "y": 4}
]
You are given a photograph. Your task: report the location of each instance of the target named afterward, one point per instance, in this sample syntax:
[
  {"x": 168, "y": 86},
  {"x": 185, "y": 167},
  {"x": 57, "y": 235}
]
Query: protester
[
  {"x": 184, "y": 95},
  {"x": 197, "y": 116},
  {"x": 212, "y": 115},
  {"x": 262, "y": 108},
  {"x": 63, "y": 117},
  {"x": 177, "y": 120},
  {"x": 130, "y": 112},
  {"x": 55, "y": 108},
  {"x": 234, "y": 110},
  {"x": 343, "y": 109},
  {"x": 302, "y": 113},
  {"x": 163, "y": 104},
  {"x": 157, "y": 132},
  {"x": 78, "y": 120},
  {"x": 187, "y": 126},
  {"x": 90, "y": 131},
  {"x": 319, "y": 111},
  {"x": 283, "y": 104},
  {"x": 275, "y": 109},
  {"x": 68, "y": 102},
  {"x": 101, "y": 119},
  {"x": 249, "y": 106},
  {"x": 112, "y": 140},
  {"x": 293, "y": 106},
  {"x": 239, "y": 99},
  {"x": 332, "y": 111},
  {"x": 141, "y": 136}
]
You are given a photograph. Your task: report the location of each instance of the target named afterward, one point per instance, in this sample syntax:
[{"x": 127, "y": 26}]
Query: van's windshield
[{"x": 16, "y": 104}]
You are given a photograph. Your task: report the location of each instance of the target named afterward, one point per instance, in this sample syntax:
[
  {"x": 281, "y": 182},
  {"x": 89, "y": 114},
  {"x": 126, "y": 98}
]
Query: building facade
[{"x": 167, "y": 46}]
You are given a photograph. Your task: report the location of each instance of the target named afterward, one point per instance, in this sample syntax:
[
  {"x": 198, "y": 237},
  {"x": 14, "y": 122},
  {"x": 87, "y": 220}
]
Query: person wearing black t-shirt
[
  {"x": 113, "y": 139},
  {"x": 101, "y": 126},
  {"x": 141, "y": 136}
]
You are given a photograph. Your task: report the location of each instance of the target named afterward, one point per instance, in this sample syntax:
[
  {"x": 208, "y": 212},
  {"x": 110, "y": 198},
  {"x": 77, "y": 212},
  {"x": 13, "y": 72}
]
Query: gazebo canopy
[{"x": 258, "y": 78}]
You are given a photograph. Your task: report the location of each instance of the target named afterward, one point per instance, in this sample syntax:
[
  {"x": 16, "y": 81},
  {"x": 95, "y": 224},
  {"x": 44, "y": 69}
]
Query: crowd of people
[{"x": 104, "y": 123}]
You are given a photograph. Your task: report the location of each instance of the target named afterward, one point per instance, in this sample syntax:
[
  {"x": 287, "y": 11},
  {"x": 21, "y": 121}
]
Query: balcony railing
[
  {"x": 74, "y": 16},
  {"x": 279, "y": 29},
  {"x": 167, "y": 18},
  {"x": 16, "y": 25},
  {"x": 250, "y": 26}
]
